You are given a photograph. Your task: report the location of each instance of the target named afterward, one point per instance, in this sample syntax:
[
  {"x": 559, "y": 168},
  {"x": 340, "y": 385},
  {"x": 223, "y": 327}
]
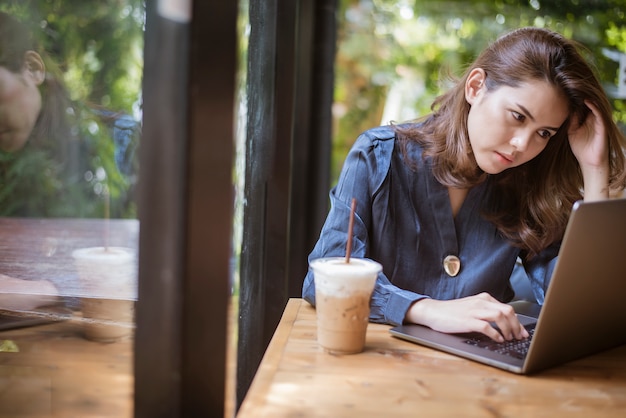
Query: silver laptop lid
[{"x": 585, "y": 307}]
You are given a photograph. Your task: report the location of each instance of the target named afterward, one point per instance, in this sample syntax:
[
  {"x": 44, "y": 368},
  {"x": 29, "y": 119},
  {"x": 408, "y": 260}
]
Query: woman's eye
[
  {"x": 517, "y": 116},
  {"x": 545, "y": 134}
]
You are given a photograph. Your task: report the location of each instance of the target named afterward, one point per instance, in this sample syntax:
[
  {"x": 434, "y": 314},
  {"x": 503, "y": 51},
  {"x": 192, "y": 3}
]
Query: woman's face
[
  {"x": 511, "y": 125},
  {"x": 20, "y": 104}
]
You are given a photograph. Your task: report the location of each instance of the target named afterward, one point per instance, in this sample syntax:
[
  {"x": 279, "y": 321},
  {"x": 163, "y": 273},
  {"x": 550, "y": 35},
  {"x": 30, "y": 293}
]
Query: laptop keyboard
[{"x": 513, "y": 348}]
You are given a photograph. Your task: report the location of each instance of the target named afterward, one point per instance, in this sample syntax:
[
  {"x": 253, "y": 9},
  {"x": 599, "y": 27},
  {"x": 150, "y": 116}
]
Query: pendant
[{"x": 452, "y": 265}]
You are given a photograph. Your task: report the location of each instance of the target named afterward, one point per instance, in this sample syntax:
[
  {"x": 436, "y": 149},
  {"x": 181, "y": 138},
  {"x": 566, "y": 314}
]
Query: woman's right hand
[{"x": 470, "y": 314}]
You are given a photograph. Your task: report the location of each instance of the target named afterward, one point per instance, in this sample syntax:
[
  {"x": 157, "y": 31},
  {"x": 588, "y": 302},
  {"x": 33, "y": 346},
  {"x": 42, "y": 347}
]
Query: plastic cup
[
  {"x": 108, "y": 285},
  {"x": 342, "y": 298}
]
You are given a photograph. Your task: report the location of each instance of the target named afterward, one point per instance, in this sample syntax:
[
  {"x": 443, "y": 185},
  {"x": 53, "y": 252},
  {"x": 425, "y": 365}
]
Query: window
[{"x": 70, "y": 129}]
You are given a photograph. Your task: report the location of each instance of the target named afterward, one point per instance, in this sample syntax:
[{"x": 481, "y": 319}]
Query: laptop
[
  {"x": 584, "y": 311},
  {"x": 20, "y": 319}
]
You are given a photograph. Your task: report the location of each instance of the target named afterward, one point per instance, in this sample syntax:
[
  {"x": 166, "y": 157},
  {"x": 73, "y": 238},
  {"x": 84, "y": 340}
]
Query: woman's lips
[{"x": 505, "y": 158}]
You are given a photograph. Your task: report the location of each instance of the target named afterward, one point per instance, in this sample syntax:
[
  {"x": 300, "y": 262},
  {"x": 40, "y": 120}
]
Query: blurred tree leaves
[
  {"x": 395, "y": 56},
  {"x": 98, "y": 48},
  {"x": 98, "y": 45}
]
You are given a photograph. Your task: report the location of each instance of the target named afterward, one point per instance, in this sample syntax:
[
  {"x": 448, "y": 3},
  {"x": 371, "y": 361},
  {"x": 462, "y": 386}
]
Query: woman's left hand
[
  {"x": 591, "y": 148},
  {"x": 588, "y": 141}
]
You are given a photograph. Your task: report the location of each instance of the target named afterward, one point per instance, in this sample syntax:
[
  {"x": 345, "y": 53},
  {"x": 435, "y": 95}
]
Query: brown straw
[
  {"x": 107, "y": 217},
  {"x": 350, "y": 227}
]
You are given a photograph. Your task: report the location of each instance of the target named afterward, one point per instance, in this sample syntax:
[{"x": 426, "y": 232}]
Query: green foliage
[
  {"x": 97, "y": 45},
  {"x": 402, "y": 52},
  {"x": 35, "y": 183},
  {"x": 98, "y": 48}
]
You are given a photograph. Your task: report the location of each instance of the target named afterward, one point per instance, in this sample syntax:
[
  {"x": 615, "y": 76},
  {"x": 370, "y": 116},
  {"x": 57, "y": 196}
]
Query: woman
[{"x": 448, "y": 204}]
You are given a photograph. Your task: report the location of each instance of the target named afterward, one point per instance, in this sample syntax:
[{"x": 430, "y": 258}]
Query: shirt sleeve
[
  {"x": 539, "y": 270},
  {"x": 126, "y": 133},
  {"x": 364, "y": 171}
]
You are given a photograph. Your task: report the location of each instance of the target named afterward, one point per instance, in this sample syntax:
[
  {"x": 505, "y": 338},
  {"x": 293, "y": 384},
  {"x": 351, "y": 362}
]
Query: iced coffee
[{"x": 342, "y": 298}]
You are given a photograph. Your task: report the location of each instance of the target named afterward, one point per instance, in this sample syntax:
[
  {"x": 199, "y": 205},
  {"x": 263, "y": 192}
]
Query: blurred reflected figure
[{"x": 58, "y": 157}]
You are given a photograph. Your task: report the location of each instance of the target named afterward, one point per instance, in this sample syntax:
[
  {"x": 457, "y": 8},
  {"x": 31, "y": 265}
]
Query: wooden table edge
[{"x": 271, "y": 359}]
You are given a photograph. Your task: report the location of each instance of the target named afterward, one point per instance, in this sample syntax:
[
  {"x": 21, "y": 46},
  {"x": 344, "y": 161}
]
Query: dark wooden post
[
  {"x": 185, "y": 210},
  {"x": 290, "y": 87}
]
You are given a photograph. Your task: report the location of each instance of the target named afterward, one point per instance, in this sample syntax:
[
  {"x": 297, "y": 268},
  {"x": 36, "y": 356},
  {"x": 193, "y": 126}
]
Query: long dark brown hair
[{"x": 529, "y": 204}]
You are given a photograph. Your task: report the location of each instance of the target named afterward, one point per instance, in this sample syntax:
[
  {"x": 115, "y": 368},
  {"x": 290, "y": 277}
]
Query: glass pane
[
  {"x": 70, "y": 126},
  {"x": 243, "y": 30}
]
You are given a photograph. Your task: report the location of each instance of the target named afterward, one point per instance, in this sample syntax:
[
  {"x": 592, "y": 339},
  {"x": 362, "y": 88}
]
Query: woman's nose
[{"x": 520, "y": 141}]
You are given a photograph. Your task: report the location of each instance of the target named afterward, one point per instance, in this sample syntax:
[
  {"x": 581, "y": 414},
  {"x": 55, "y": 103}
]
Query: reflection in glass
[
  {"x": 70, "y": 127},
  {"x": 243, "y": 30},
  {"x": 62, "y": 153},
  {"x": 83, "y": 96}
]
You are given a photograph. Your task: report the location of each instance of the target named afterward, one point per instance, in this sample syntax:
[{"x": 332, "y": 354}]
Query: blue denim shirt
[
  {"x": 125, "y": 132},
  {"x": 404, "y": 221}
]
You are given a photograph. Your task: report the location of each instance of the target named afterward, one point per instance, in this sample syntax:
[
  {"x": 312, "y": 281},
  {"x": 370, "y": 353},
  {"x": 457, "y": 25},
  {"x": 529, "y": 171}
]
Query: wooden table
[
  {"x": 52, "y": 370},
  {"x": 394, "y": 378},
  {"x": 41, "y": 248},
  {"x": 58, "y": 373}
]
